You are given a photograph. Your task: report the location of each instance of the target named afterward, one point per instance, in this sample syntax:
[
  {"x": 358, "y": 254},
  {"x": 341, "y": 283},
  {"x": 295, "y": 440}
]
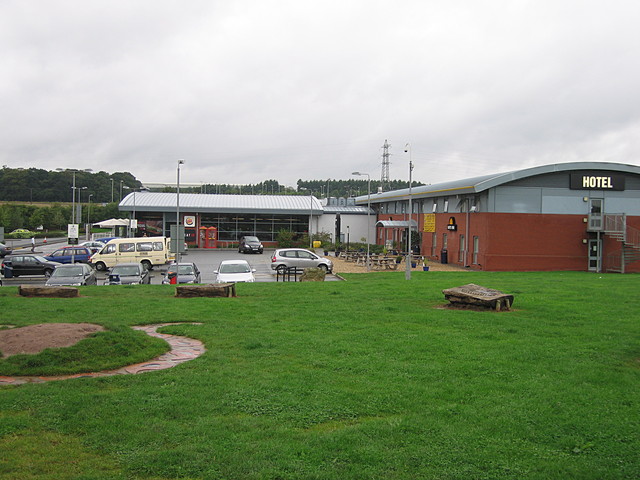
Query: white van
[{"x": 150, "y": 251}]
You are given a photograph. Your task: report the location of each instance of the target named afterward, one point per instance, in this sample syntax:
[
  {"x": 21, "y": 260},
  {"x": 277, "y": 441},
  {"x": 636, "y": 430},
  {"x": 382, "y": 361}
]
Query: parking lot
[{"x": 206, "y": 260}]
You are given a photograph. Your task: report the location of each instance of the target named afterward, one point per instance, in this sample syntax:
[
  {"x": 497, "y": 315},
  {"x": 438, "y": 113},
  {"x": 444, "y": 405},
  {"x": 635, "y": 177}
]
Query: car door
[
  {"x": 28, "y": 266},
  {"x": 306, "y": 259},
  {"x": 18, "y": 266}
]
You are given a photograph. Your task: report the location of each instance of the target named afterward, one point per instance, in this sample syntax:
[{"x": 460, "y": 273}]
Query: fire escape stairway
[{"x": 615, "y": 226}]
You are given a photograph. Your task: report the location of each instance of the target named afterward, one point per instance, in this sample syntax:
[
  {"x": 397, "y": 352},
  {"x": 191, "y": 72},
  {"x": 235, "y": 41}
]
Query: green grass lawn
[{"x": 364, "y": 379}]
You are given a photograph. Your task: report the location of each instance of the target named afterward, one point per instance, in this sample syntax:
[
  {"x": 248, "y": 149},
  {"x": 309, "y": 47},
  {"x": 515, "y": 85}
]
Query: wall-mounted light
[
  {"x": 585, "y": 199},
  {"x": 585, "y": 220},
  {"x": 474, "y": 208}
]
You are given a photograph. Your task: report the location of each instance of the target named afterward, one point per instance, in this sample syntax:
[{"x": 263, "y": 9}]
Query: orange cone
[{"x": 45, "y": 240}]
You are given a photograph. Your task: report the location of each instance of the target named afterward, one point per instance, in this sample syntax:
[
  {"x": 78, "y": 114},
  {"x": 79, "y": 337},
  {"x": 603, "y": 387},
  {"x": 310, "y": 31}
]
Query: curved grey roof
[
  {"x": 485, "y": 182},
  {"x": 194, "y": 202}
]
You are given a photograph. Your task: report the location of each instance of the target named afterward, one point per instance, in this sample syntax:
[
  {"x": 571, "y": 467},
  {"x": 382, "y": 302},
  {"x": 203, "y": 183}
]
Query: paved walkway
[{"x": 182, "y": 350}]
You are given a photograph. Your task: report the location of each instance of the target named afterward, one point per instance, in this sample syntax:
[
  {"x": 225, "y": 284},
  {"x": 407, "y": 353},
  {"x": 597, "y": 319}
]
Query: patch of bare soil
[{"x": 35, "y": 338}]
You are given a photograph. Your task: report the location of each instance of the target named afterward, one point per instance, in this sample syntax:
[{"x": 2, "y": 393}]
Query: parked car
[
  {"x": 27, "y": 265},
  {"x": 250, "y": 244},
  {"x": 105, "y": 240},
  {"x": 94, "y": 246},
  {"x": 299, "y": 258},
  {"x": 73, "y": 275},
  {"x": 4, "y": 250},
  {"x": 64, "y": 254},
  {"x": 22, "y": 233},
  {"x": 128, "y": 274},
  {"x": 233, "y": 271},
  {"x": 186, "y": 273}
]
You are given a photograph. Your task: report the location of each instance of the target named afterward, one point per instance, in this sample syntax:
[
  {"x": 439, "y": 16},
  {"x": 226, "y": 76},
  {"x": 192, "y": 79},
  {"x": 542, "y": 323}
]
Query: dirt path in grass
[
  {"x": 55, "y": 335},
  {"x": 35, "y": 338}
]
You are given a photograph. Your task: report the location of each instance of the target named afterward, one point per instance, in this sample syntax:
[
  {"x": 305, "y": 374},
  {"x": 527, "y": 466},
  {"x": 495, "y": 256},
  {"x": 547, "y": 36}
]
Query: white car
[{"x": 233, "y": 271}]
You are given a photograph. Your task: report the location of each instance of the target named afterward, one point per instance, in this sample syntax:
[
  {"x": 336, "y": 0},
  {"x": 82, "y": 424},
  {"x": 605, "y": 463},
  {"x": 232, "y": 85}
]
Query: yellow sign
[{"x": 430, "y": 222}]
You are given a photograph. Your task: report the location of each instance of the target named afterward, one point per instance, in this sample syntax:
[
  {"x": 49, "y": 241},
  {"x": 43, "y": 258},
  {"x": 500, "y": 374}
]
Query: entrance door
[{"x": 594, "y": 255}]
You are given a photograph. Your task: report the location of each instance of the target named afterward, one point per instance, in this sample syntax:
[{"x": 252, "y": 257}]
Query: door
[{"x": 594, "y": 255}]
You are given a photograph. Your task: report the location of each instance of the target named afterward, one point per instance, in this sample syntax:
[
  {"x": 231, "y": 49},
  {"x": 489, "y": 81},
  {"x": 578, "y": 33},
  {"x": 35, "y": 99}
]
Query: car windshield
[
  {"x": 234, "y": 268},
  {"x": 185, "y": 270},
  {"x": 128, "y": 270},
  {"x": 67, "y": 272},
  {"x": 251, "y": 239},
  {"x": 40, "y": 259}
]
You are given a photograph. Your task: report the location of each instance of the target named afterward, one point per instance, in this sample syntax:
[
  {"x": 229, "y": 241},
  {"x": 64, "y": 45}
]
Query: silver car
[
  {"x": 128, "y": 274},
  {"x": 72, "y": 275},
  {"x": 284, "y": 258}
]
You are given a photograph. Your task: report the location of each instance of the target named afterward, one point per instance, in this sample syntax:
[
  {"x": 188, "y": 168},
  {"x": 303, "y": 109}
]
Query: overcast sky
[{"x": 246, "y": 91}]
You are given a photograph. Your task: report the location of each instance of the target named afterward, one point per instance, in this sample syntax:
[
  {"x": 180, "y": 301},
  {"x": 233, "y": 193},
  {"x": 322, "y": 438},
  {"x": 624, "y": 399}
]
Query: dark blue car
[{"x": 64, "y": 254}]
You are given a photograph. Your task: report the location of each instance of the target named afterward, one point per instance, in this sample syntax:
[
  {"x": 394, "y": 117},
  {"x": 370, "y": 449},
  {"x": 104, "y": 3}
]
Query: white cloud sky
[{"x": 251, "y": 90}]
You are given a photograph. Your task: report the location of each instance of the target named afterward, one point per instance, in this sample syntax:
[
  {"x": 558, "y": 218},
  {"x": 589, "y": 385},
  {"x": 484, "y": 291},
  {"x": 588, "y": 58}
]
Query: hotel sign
[{"x": 596, "y": 181}]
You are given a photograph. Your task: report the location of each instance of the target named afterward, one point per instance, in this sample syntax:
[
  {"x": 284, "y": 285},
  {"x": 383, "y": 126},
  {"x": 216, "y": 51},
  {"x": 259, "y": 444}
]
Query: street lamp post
[
  {"x": 112, "y": 190},
  {"x": 310, "y": 214},
  {"x": 88, "y": 216},
  {"x": 178, "y": 246},
  {"x": 368, "y": 212},
  {"x": 407, "y": 148}
]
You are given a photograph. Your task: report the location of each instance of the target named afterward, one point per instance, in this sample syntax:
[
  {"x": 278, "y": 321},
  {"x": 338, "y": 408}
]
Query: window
[
  {"x": 476, "y": 249},
  {"x": 158, "y": 246},
  {"x": 144, "y": 247},
  {"x": 446, "y": 205},
  {"x": 109, "y": 249},
  {"x": 444, "y": 241},
  {"x": 434, "y": 241},
  {"x": 461, "y": 250},
  {"x": 127, "y": 247}
]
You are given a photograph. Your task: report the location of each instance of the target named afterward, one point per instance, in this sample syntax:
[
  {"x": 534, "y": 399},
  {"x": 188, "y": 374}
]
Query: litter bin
[
  {"x": 444, "y": 256},
  {"x": 8, "y": 271}
]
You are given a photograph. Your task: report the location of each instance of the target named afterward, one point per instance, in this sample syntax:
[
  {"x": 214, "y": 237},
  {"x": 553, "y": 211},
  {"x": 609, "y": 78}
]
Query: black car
[
  {"x": 16, "y": 265},
  {"x": 250, "y": 245},
  {"x": 4, "y": 250}
]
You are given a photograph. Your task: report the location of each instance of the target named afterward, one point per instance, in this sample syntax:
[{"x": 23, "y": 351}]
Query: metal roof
[
  {"x": 396, "y": 224},
  {"x": 193, "y": 202},
  {"x": 485, "y": 182},
  {"x": 346, "y": 209}
]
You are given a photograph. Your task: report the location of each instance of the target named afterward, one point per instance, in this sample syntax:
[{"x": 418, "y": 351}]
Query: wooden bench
[
  {"x": 55, "y": 292},
  {"x": 211, "y": 290}
]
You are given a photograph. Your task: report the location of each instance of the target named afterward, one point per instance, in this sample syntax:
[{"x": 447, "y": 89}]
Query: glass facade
[
  {"x": 230, "y": 226},
  {"x": 265, "y": 227}
]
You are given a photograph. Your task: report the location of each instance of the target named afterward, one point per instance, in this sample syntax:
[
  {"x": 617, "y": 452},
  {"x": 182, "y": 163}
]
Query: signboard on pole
[{"x": 72, "y": 234}]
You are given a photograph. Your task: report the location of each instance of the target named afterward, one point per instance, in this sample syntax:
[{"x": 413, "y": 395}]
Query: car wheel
[
  {"x": 101, "y": 267},
  {"x": 281, "y": 269},
  {"x": 47, "y": 273},
  {"x": 147, "y": 265},
  {"x": 322, "y": 266}
]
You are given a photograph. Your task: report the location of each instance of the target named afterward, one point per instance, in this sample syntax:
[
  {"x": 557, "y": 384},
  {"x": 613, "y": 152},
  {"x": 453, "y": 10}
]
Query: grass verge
[{"x": 367, "y": 378}]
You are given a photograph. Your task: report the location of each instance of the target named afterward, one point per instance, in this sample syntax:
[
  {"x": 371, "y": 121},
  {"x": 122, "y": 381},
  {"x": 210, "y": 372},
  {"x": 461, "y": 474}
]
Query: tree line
[{"x": 38, "y": 185}]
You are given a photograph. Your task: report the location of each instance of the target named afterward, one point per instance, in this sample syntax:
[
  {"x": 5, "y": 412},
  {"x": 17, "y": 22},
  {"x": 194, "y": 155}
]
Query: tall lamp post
[
  {"x": 178, "y": 245},
  {"x": 310, "y": 214},
  {"x": 407, "y": 148},
  {"x": 368, "y": 212},
  {"x": 88, "y": 215}
]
